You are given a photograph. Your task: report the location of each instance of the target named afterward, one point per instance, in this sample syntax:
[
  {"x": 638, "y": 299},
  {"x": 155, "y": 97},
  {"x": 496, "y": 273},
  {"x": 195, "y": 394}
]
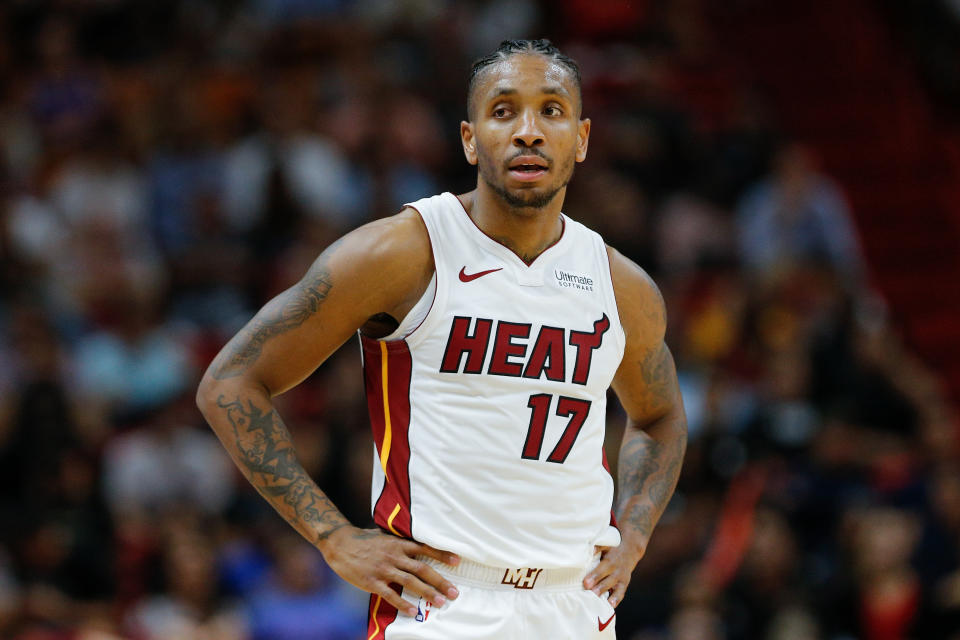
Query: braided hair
[{"x": 509, "y": 48}]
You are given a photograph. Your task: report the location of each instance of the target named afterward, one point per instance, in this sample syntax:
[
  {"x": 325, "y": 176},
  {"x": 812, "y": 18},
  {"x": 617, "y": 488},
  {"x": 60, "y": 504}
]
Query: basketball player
[{"x": 491, "y": 327}]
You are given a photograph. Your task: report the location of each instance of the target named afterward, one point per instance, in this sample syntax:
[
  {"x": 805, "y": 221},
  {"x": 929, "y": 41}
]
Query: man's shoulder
[
  {"x": 388, "y": 253},
  {"x": 629, "y": 274},
  {"x": 401, "y": 236},
  {"x": 378, "y": 267},
  {"x": 639, "y": 301}
]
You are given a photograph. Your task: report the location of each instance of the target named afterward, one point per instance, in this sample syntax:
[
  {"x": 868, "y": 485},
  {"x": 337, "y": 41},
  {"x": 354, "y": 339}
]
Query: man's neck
[{"x": 527, "y": 232}]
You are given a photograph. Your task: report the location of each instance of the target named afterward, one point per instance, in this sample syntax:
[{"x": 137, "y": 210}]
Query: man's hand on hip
[
  {"x": 613, "y": 572},
  {"x": 373, "y": 560}
]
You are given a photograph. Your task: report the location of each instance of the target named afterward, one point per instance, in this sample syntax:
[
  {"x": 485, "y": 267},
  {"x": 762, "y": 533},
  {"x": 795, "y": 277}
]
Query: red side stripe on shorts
[
  {"x": 380, "y": 614},
  {"x": 390, "y": 427}
]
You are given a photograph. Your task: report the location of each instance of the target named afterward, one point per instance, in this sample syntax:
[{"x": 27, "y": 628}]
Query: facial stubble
[{"x": 527, "y": 199}]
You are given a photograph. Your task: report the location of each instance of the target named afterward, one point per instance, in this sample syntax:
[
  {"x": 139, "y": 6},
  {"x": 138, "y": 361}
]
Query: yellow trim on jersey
[
  {"x": 376, "y": 629},
  {"x": 387, "y": 430},
  {"x": 393, "y": 515}
]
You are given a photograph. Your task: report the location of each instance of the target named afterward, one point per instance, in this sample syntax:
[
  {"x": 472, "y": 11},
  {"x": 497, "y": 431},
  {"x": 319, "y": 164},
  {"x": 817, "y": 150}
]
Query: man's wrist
[
  {"x": 634, "y": 543},
  {"x": 325, "y": 538}
]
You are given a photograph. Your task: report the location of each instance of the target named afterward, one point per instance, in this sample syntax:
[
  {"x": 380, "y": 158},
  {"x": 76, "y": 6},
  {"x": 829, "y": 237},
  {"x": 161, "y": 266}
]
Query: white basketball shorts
[{"x": 500, "y": 604}]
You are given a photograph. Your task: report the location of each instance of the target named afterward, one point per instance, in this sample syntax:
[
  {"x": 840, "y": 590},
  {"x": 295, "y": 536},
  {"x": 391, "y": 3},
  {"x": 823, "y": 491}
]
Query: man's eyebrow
[{"x": 554, "y": 90}]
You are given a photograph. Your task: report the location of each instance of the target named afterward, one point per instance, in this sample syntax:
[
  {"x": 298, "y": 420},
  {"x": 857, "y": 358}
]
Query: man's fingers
[
  {"x": 601, "y": 571},
  {"x": 608, "y": 583},
  {"x": 418, "y": 587},
  {"x": 617, "y": 596},
  {"x": 393, "y": 598},
  {"x": 429, "y": 575},
  {"x": 445, "y": 557}
]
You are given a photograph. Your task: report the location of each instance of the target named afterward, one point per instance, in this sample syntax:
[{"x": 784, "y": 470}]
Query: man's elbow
[
  {"x": 672, "y": 423},
  {"x": 212, "y": 391},
  {"x": 679, "y": 421},
  {"x": 677, "y": 412},
  {"x": 207, "y": 393}
]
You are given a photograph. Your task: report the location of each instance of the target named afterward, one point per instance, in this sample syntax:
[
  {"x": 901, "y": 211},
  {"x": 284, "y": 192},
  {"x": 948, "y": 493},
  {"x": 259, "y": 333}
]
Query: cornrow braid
[{"x": 509, "y": 48}]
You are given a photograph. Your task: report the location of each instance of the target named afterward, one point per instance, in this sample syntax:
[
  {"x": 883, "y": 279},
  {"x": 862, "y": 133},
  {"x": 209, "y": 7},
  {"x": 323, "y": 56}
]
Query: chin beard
[{"x": 524, "y": 199}]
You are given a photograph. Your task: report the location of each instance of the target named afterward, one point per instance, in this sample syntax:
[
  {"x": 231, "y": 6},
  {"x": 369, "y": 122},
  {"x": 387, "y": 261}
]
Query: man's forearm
[
  {"x": 649, "y": 466},
  {"x": 254, "y": 435}
]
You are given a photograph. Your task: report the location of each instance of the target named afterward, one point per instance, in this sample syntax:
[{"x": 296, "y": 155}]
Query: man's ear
[
  {"x": 469, "y": 142},
  {"x": 583, "y": 139}
]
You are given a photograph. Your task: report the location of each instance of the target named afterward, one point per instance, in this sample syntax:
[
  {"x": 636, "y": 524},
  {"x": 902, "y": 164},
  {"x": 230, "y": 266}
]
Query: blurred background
[{"x": 787, "y": 171}]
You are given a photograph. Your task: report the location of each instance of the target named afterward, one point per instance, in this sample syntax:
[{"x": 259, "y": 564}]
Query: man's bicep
[{"x": 646, "y": 383}]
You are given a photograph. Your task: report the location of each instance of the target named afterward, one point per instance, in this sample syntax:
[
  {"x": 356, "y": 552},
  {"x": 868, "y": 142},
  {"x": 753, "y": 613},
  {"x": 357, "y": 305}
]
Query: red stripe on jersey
[
  {"x": 390, "y": 427},
  {"x": 380, "y": 614},
  {"x": 606, "y": 465}
]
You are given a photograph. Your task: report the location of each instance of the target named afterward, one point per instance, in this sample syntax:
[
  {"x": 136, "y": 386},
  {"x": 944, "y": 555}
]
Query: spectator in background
[
  {"x": 132, "y": 362},
  {"x": 696, "y": 613},
  {"x": 304, "y": 599},
  {"x": 188, "y": 607},
  {"x": 51, "y": 515},
  {"x": 167, "y": 464},
  {"x": 885, "y": 600},
  {"x": 691, "y": 232},
  {"x": 285, "y": 171},
  {"x": 796, "y": 216},
  {"x": 67, "y": 96},
  {"x": 770, "y": 583},
  {"x": 98, "y": 184},
  {"x": 41, "y": 420}
]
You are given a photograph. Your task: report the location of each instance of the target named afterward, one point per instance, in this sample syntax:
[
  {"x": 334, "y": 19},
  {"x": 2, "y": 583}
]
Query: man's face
[{"x": 525, "y": 132}]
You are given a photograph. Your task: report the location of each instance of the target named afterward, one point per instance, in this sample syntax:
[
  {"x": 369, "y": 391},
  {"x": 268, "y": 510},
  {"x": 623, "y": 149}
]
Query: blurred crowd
[{"x": 168, "y": 166}]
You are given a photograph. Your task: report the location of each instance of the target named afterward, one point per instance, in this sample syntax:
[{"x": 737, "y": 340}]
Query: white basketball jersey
[{"x": 489, "y": 409}]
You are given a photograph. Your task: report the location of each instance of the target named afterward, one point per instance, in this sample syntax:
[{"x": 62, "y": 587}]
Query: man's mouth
[{"x": 527, "y": 168}]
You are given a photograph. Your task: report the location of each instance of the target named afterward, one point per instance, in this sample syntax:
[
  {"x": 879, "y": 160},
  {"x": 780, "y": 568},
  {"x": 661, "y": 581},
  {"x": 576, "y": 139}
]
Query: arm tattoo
[
  {"x": 659, "y": 392},
  {"x": 648, "y": 472},
  {"x": 367, "y": 534},
  {"x": 651, "y": 454},
  {"x": 264, "y": 451},
  {"x": 287, "y": 311},
  {"x": 326, "y": 534}
]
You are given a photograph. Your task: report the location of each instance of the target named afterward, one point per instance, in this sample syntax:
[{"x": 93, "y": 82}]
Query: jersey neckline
[{"x": 498, "y": 247}]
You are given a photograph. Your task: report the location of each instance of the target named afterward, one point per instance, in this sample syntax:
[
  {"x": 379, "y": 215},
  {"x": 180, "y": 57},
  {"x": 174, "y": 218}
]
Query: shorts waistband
[{"x": 518, "y": 579}]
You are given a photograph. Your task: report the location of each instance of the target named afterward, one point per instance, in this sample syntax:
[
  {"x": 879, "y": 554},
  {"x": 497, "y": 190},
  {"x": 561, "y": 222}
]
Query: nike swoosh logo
[
  {"x": 467, "y": 277},
  {"x": 604, "y": 625}
]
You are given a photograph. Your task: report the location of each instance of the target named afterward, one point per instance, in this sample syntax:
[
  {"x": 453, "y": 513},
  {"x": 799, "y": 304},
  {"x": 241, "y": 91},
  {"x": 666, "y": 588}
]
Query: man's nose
[{"x": 528, "y": 132}]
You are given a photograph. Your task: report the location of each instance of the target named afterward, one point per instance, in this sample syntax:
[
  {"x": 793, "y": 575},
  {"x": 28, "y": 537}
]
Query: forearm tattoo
[
  {"x": 265, "y": 454},
  {"x": 650, "y": 459}
]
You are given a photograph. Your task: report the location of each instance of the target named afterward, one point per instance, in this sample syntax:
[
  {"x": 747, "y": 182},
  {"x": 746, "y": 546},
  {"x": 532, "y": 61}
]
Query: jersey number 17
[{"x": 567, "y": 407}]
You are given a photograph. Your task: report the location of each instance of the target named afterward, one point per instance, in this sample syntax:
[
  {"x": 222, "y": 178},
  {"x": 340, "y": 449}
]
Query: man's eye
[
  {"x": 500, "y": 112},
  {"x": 553, "y": 111}
]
